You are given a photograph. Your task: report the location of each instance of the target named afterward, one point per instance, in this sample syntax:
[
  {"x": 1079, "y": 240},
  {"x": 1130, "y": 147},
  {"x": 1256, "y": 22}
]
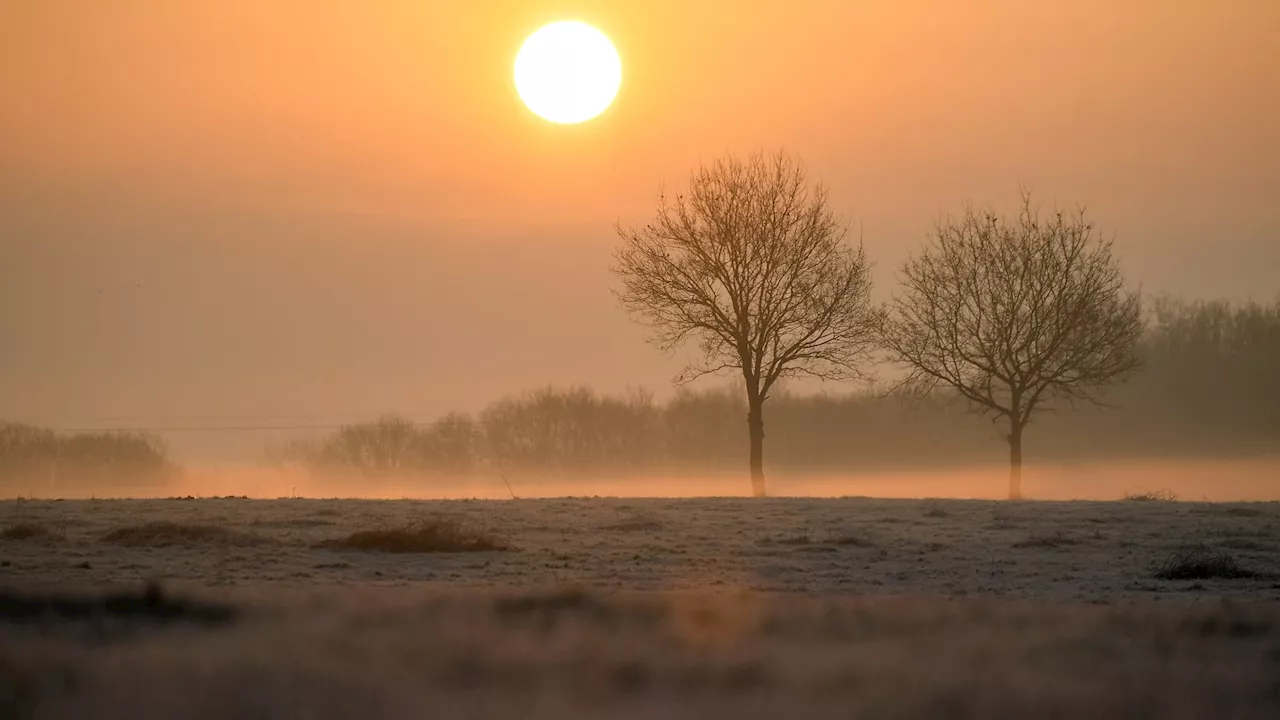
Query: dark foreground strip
[{"x": 150, "y": 604}]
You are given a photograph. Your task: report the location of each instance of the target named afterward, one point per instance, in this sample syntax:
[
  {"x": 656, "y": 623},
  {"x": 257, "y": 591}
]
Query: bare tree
[
  {"x": 1014, "y": 314},
  {"x": 752, "y": 266}
]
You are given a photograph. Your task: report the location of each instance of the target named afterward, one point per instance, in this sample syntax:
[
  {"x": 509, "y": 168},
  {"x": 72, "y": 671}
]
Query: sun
[{"x": 568, "y": 72}]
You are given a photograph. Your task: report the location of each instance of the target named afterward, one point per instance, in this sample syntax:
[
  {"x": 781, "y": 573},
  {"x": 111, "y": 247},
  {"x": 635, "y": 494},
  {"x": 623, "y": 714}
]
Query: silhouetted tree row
[
  {"x": 390, "y": 445},
  {"x": 1210, "y": 384},
  {"x": 38, "y": 458},
  {"x": 1209, "y": 387}
]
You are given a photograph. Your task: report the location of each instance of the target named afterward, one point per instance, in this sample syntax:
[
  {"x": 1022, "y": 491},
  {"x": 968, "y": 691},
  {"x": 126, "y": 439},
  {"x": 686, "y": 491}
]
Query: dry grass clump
[
  {"x": 1153, "y": 496},
  {"x": 28, "y": 531},
  {"x": 849, "y": 540},
  {"x": 1239, "y": 543},
  {"x": 1052, "y": 540},
  {"x": 293, "y": 523},
  {"x": 636, "y": 525},
  {"x": 1201, "y": 563},
  {"x": 432, "y": 536},
  {"x": 833, "y": 540},
  {"x": 936, "y": 510},
  {"x": 1242, "y": 512},
  {"x": 31, "y": 531},
  {"x": 163, "y": 533}
]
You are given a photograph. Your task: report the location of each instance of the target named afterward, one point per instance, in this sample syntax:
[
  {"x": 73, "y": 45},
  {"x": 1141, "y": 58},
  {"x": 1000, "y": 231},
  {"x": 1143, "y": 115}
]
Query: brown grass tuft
[
  {"x": 850, "y": 540},
  {"x": 1202, "y": 564},
  {"x": 293, "y": 523},
  {"x": 1154, "y": 496},
  {"x": 422, "y": 537},
  {"x": 27, "y": 531},
  {"x": 638, "y": 525},
  {"x": 1242, "y": 512},
  {"x": 1053, "y": 540},
  {"x": 809, "y": 541},
  {"x": 1239, "y": 543},
  {"x": 163, "y": 533}
]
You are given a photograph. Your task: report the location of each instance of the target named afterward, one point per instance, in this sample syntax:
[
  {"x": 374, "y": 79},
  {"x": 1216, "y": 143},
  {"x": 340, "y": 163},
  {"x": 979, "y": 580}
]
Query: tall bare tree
[
  {"x": 752, "y": 266},
  {"x": 1015, "y": 314}
]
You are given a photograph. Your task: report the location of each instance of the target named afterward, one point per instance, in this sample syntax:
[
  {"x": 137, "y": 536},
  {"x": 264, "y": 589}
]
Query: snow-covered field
[{"x": 695, "y": 608}]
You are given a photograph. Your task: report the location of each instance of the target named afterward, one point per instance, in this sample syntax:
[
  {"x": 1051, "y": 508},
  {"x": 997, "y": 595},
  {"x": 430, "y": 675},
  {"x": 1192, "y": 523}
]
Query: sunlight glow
[{"x": 568, "y": 72}]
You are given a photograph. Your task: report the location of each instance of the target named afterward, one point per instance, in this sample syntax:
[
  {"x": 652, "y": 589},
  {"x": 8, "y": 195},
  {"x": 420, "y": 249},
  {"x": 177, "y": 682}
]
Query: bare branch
[{"x": 752, "y": 265}]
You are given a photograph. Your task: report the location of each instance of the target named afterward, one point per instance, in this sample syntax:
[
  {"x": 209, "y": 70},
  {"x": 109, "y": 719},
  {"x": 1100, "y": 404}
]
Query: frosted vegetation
[{"x": 639, "y": 608}]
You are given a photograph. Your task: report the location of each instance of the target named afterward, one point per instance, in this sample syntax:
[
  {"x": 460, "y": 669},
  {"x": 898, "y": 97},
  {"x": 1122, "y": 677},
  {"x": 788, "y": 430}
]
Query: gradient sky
[{"x": 266, "y": 210}]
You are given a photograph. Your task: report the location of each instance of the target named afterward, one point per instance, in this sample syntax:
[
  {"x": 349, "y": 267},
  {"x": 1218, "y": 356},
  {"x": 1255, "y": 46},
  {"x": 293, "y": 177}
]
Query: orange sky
[{"x": 256, "y": 208}]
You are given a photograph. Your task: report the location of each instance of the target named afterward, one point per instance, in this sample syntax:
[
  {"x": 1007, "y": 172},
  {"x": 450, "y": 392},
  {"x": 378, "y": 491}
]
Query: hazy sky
[{"x": 255, "y": 210}]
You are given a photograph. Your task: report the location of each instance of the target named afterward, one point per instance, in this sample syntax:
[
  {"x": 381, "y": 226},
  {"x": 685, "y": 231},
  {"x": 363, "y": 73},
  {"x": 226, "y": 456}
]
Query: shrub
[
  {"x": 848, "y": 540},
  {"x": 26, "y": 531},
  {"x": 163, "y": 533},
  {"x": 1154, "y": 496},
  {"x": 1202, "y": 564},
  {"x": 422, "y": 537},
  {"x": 1053, "y": 540}
]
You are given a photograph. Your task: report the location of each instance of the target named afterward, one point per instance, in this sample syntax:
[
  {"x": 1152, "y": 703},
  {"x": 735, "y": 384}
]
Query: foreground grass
[{"x": 569, "y": 653}]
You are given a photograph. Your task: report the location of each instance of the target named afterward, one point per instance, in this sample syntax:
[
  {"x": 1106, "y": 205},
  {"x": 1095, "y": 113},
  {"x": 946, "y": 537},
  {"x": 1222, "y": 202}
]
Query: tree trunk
[
  {"x": 1015, "y": 461},
  {"x": 755, "y": 428}
]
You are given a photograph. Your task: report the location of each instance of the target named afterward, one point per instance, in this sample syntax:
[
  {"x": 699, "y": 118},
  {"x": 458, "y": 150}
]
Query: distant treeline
[
  {"x": 1210, "y": 386},
  {"x": 38, "y": 459}
]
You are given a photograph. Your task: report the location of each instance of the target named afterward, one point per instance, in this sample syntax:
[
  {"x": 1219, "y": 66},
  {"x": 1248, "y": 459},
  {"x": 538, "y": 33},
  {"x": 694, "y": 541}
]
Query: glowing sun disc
[{"x": 568, "y": 72}]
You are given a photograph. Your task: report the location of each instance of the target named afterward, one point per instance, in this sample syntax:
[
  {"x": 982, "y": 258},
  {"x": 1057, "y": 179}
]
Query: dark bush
[
  {"x": 27, "y": 531},
  {"x": 1053, "y": 540},
  {"x": 1202, "y": 564},
  {"x": 1154, "y": 496},
  {"x": 163, "y": 533},
  {"x": 438, "y": 536}
]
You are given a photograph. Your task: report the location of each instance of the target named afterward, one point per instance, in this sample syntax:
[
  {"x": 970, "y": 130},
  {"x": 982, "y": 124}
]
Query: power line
[
  {"x": 259, "y": 424},
  {"x": 188, "y": 428},
  {"x": 212, "y": 428}
]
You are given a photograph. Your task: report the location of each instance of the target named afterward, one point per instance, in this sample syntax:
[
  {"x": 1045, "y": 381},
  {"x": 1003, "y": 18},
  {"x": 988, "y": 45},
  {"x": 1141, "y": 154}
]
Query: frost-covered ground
[
  {"x": 697, "y": 608},
  {"x": 1061, "y": 551}
]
